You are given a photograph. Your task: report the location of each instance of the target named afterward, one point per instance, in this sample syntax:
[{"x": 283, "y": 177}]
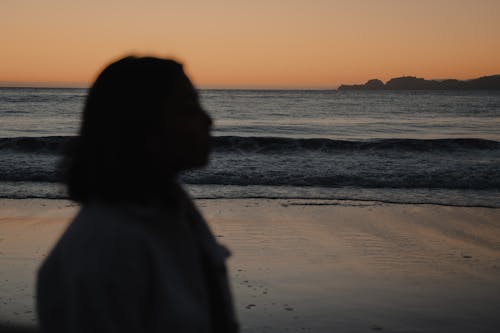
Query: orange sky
[{"x": 257, "y": 44}]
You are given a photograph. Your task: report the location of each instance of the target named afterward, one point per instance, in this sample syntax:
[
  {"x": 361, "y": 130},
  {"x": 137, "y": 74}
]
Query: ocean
[{"x": 416, "y": 147}]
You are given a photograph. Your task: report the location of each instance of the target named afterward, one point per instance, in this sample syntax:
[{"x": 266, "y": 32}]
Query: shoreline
[
  {"x": 324, "y": 195},
  {"x": 308, "y": 201},
  {"x": 302, "y": 267}
]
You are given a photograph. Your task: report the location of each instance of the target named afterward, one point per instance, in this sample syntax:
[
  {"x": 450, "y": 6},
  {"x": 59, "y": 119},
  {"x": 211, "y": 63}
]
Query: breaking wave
[{"x": 56, "y": 144}]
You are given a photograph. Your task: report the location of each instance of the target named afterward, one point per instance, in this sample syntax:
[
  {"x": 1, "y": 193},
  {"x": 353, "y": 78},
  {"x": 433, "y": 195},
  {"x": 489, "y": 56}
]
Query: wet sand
[{"x": 313, "y": 266}]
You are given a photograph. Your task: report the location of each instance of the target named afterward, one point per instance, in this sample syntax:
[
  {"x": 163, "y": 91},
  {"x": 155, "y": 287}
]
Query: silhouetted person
[{"x": 138, "y": 257}]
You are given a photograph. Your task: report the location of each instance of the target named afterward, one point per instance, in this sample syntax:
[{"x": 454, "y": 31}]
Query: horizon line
[
  {"x": 50, "y": 85},
  {"x": 83, "y": 85}
]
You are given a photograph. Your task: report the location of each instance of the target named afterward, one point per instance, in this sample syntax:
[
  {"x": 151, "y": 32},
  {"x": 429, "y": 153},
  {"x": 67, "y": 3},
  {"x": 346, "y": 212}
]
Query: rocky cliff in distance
[{"x": 414, "y": 83}]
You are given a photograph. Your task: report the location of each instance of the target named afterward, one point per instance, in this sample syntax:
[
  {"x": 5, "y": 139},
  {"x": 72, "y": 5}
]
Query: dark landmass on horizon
[{"x": 491, "y": 82}]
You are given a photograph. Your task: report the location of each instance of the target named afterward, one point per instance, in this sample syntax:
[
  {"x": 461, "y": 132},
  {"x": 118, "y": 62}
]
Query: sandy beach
[{"x": 312, "y": 266}]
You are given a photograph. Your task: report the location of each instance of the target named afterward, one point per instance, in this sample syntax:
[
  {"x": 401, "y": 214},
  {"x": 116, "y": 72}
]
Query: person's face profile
[{"x": 186, "y": 127}]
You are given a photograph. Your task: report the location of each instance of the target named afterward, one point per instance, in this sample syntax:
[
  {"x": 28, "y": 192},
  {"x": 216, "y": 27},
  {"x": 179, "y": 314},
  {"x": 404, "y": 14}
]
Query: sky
[{"x": 312, "y": 44}]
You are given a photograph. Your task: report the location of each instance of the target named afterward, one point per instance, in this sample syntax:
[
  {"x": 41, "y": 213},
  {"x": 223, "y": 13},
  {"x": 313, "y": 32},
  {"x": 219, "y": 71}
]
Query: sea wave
[
  {"x": 43, "y": 144},
  {"x": 466, "y": 164},
  {"x": 56, "y": 144}
]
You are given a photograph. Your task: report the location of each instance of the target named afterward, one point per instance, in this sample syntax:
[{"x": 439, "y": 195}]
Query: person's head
[{"x": 142, "y": 124}]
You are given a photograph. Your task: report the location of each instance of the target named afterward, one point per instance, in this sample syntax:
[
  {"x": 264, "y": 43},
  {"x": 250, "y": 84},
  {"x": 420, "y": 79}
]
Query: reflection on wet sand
[{"x": 313, "y": 266}]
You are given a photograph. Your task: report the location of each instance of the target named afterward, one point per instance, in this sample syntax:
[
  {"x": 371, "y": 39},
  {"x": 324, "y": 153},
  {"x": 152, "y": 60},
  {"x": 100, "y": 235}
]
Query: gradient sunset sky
[{"x": 252, "y": 44}]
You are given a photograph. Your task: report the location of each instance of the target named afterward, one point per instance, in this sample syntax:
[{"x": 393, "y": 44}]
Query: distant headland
[{"x": 414, "y": 83}]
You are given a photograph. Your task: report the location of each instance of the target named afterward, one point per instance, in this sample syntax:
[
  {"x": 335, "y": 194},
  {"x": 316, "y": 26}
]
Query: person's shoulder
[
  {"x": 108, "y": 224},
  {"x": 103, "y": 236},
  {"x": 103, "y": 247}
]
